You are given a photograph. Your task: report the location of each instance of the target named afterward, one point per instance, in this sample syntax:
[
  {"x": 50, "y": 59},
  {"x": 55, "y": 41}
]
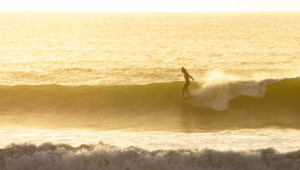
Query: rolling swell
[
  {"x": 215, "y": 105},
  {"x": 59, "y": 98}
]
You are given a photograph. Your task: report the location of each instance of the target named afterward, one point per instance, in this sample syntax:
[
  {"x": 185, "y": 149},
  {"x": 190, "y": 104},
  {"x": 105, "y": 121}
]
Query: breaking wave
[
  {"x": 215, "y": 95},
  {"x": 259, "y": 102}
]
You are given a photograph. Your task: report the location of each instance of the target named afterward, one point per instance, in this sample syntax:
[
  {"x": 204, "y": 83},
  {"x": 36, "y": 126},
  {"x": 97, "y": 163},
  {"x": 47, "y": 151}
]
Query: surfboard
[{"x": 188, "y": 96}]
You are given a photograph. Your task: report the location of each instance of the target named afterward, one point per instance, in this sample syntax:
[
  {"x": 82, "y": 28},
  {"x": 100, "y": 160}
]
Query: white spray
[{"x": 219, "y": 88}]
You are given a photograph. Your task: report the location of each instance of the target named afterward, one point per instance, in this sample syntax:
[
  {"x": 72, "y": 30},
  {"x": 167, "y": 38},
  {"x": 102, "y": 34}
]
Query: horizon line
[{"x": 137, "y": 11}]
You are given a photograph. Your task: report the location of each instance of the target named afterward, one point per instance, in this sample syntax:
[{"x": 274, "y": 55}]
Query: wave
[
  {"x": 104, "y": 156},
  {"x": 217, "y": 103}
]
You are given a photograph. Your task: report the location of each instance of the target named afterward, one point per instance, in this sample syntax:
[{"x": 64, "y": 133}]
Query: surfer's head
[{"x": 183, "y": 69}]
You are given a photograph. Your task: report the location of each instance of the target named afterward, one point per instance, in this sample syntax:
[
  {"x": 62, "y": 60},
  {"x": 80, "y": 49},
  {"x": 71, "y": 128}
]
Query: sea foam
[{"x": 102, "y": 156}]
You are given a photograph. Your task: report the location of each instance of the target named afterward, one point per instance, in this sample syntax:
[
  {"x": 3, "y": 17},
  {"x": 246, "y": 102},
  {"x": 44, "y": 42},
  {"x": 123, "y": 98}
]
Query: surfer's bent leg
[{"x": 185, "y": 87}]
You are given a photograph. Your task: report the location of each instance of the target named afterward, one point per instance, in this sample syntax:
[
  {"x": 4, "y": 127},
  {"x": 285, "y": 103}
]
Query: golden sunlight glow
[{"x": 150, "y": 5}]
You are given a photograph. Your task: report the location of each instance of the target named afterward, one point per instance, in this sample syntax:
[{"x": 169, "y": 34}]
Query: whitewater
[{"x": 103, "y": 91}]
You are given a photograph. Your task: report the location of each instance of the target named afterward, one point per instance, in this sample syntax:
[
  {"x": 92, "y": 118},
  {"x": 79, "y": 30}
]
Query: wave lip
[{"x": 103, "y": 156}]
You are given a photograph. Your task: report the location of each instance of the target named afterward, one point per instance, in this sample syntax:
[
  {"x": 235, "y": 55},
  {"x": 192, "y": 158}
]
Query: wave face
[
  {"x": 103, "y": 156},
  {"x": 155, "y": 106}
]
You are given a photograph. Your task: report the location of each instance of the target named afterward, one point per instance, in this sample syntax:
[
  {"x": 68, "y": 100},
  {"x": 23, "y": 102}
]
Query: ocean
[{"x": 84, "y": 91}]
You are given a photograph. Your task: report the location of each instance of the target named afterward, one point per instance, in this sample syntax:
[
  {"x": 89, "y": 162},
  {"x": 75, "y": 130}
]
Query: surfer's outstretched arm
[{"x": 191, "y": 77}]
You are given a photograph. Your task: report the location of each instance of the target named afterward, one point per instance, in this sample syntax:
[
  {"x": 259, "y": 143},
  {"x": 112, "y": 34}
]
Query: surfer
[{"x": 187, "y": 81}]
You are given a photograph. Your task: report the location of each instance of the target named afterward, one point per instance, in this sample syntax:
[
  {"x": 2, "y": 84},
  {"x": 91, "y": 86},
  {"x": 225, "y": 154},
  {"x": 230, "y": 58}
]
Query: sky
[{"x": 152, "y": 5}]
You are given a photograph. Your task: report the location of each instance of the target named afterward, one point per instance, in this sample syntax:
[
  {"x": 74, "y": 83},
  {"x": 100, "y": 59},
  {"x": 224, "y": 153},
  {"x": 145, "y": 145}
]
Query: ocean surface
[{"x": 103, "y": 91}]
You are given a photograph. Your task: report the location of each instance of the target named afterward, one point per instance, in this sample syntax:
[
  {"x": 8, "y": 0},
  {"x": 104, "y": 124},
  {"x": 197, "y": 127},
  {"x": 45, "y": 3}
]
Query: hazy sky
[{"x": 150, "y": 5}]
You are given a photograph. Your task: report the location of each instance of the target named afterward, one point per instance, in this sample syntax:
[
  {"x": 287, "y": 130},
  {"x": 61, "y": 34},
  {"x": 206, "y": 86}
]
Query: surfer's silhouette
[{"x": 187, "y": 80}]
